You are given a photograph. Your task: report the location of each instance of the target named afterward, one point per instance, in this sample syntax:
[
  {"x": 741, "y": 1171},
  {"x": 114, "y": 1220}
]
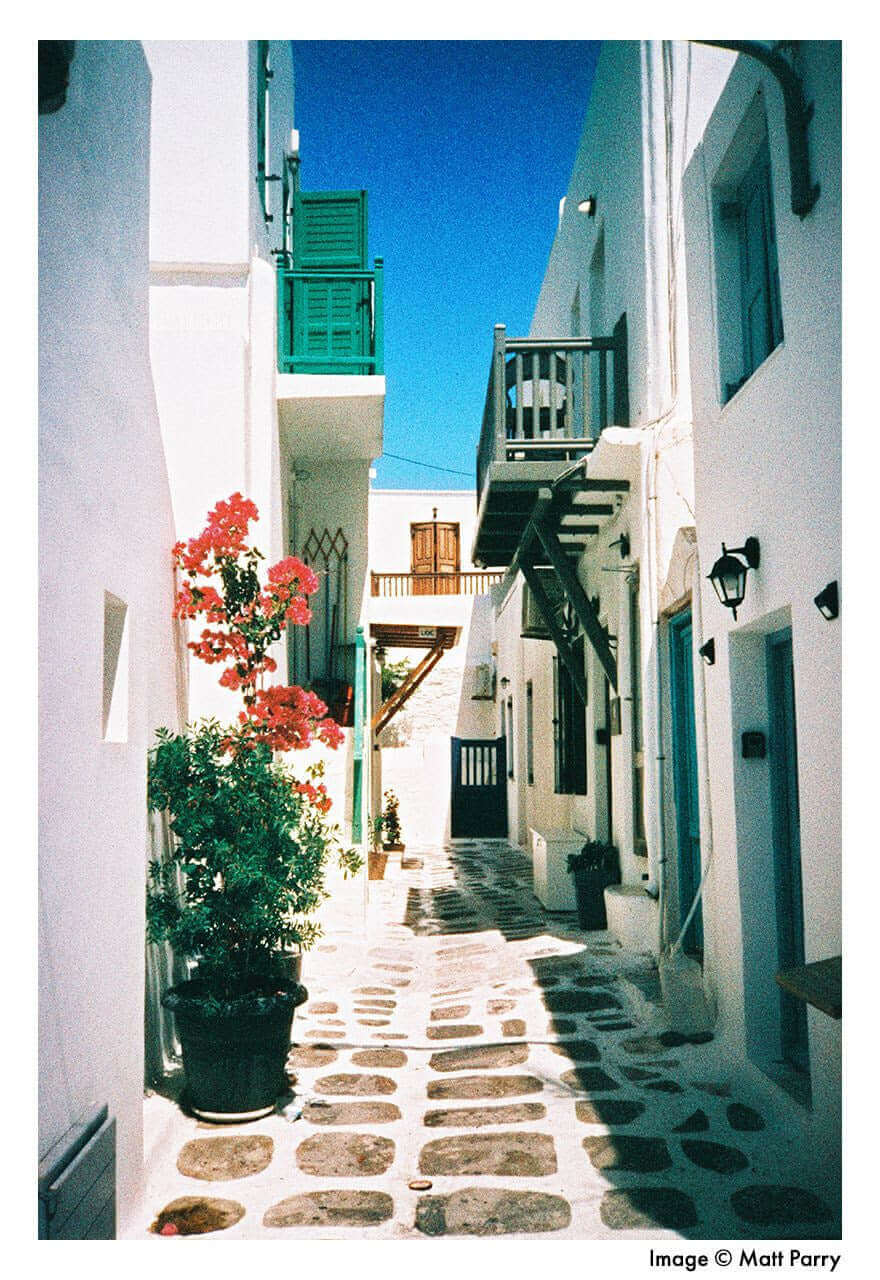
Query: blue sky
[{"x": 465, "y": 148}]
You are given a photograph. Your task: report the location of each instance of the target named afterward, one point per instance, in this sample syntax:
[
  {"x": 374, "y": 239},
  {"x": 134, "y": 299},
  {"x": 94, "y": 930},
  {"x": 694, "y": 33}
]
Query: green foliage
[
  {"x": 596, "y": 856},
  {"x": 249, "y": 861},
  {"x": 374, "y": 826},
  {"x": 391, "y": 820},
  {"x": 393, "y": 676}
]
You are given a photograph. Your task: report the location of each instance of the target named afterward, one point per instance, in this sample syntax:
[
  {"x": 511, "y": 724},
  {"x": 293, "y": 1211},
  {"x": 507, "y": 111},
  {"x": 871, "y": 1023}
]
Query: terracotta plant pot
[{"x": 376, "y": 862}]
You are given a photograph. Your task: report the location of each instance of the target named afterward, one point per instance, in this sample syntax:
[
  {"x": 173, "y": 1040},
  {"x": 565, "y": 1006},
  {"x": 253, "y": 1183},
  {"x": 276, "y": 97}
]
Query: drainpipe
[
  {"x": 656, "y": 887},
  {"x": 798, "y": 114}
]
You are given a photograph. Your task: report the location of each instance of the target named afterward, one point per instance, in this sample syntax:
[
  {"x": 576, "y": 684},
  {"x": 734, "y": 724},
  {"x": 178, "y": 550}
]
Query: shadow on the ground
[{"x": 657, "y": 1147}]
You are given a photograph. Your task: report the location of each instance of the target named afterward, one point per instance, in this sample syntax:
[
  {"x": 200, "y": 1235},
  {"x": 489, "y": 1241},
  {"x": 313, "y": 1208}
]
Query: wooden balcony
[
  {"x": 469, "y": 583},
  {"x": 547, "y": 401}
]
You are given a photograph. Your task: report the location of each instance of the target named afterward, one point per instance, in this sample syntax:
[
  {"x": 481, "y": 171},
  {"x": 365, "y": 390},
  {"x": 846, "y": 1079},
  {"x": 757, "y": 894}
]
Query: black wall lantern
[
  {"x": 707, "y": 652},
  {"x": 728, "y": 575},
  {"x": 828, "y": 601}
]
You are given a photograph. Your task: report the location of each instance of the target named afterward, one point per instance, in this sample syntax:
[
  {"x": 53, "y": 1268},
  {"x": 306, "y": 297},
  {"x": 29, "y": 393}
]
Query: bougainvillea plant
[{"x": 252, "y": 840}]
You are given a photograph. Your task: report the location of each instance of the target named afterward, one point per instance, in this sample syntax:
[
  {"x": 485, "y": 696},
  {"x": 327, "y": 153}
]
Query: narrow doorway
[
  {"x": 684, "y": 773},
  {"x": 786, "y": 842}
]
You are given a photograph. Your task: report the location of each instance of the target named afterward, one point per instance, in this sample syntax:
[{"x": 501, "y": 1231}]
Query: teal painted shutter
[
  {"x": 332, "y": 316},
  {"x": 330, "y": 230},
  {"x": 759, "y": 271}
]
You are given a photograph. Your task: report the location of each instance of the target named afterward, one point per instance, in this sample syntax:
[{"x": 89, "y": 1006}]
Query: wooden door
[{"x": 435, "y": 558}]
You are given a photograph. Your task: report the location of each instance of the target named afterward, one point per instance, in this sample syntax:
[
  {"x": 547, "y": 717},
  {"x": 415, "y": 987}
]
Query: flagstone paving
[{"x": 558, "y": 1103}]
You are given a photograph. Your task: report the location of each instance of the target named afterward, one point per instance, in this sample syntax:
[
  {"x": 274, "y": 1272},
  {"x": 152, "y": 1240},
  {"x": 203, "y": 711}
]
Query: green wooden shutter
[
  {"x": 759, "y": 272},
  {"x": 331, "y": 314},
  {"x": 330, "y": 230}
]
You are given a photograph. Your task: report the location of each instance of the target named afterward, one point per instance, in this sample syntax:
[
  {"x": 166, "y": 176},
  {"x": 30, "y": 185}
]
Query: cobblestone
[{"x": 539, "y": 1128}]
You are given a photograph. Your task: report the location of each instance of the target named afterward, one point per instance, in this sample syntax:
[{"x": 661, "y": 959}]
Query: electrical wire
[{"x": 430, "y": 465}]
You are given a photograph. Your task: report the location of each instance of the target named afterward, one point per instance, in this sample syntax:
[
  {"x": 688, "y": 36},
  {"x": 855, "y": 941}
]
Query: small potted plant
[
  {"x": 391, "y": 837},
  {"x": 252, "y": 841},
  {"x": 595, "y": 867},
  {"x": 377, "y": 858}
]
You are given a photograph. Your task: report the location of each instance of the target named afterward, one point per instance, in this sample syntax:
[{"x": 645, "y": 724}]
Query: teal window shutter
[
  {"x": 332, "y": 313},
  {"x": 330, "y": 229},
  {"x": 759, "y": 270}
]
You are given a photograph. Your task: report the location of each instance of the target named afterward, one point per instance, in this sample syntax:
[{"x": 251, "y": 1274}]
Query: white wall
[
  {"x": 212, "y": 295},
  {"x": 392, "y": 511},
  {"x": 768, "y": 465},
  {"x": 105, "y": 526}
]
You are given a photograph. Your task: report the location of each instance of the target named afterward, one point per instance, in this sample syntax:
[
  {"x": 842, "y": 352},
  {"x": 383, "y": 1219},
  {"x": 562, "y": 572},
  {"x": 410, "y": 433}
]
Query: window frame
[
  {"x": 569, "y": 730},
  {"x": 745, "y": 255}
]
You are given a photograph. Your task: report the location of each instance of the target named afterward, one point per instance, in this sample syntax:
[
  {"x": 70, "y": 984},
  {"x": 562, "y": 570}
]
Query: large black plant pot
[
  {"x": 590, "y": 891},
  {"x": 234, "y": 1051}
]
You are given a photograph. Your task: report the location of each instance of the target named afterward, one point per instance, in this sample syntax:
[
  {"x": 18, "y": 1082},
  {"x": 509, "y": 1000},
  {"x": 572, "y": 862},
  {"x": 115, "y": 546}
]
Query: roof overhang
[{"x": 398, "y": 635}]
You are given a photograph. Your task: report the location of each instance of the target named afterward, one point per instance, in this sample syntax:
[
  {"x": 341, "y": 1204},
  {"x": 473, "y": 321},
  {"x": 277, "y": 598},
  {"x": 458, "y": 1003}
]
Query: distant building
[{"x": 429, "y": 606}]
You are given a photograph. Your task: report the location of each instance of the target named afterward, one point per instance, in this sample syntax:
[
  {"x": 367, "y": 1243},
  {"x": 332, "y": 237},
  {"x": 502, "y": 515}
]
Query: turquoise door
[
  {"x": 684, "y": 762},
  {"x": 786, "y": 841}
]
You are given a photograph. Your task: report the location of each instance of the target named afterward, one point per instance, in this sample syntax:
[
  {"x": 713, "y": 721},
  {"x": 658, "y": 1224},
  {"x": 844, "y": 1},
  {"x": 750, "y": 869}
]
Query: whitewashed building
[
  {"x": 679, "y": 389},
  {"x": 109, "y": 673},
  {"x": 763, "y": 233},
  {"x": 266, "y": 341},
  {"x": 206, "y": 326}
]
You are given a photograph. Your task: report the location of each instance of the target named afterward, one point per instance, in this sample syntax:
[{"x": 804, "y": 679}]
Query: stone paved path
[{"x": 467, "y": 1065}]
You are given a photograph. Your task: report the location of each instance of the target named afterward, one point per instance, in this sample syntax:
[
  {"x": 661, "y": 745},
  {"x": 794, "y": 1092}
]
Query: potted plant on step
[
  {"x": 252, "y": 842},
  {"x": 377, "y": 858},
  {"x": 595, "y": 867},
  {"x": 391, "y": 836}
]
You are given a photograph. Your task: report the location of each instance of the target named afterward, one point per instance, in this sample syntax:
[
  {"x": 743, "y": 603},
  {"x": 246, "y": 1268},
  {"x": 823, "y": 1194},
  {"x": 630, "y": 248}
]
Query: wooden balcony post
[
  {"x": 379, "y": 316},
  {"x": 499, "y": 399}
]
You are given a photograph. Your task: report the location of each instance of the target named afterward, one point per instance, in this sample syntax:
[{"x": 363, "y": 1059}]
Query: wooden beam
[
  {"x": 585, "y": 611},
  {"x": 401, "y": 696},
  {"x": 545, "y": 608}
]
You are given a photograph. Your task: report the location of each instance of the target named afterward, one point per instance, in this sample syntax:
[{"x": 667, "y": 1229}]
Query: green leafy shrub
[{"x": 250, "y": 856}]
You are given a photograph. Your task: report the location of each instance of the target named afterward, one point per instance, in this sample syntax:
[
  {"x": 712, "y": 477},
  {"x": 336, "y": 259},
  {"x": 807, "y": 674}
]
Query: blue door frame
[
  {"x": 685, "y": 786},
  {"x": 786, "y": 842}
]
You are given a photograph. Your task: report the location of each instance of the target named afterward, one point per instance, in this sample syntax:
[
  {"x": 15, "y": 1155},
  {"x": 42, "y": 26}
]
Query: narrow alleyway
[{"x": 469, "y": 1066}]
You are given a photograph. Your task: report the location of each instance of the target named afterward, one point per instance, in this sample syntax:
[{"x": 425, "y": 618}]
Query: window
[
  {"x": 750, "y": 313},
  {"x": 510, "y": 738},
  {"x": 635, "y": 688},
  {"x": 569, "y": 729},
  {"x": 530, "y": 734}
]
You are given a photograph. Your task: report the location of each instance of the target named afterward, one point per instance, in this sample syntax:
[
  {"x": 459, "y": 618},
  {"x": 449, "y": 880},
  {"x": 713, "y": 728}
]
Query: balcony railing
[
  {"x": 469, "y": 583},
  {"x": 331, "y": 321},
  {"x": 549, "y": 398}
]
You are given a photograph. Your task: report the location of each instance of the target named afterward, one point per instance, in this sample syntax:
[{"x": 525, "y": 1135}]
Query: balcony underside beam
[
  {"x": 585, "y": 611},
  {"x": 563, "y": 648}
]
